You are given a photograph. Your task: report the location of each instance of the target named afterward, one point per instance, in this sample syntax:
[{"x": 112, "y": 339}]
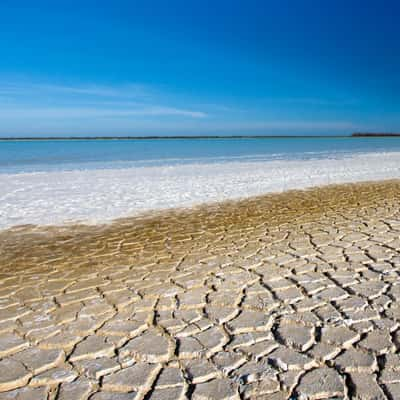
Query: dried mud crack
[{"x": 293, "y": 295}]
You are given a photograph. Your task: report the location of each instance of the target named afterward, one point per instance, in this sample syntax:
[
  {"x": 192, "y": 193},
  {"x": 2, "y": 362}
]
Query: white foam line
[{"x": 101, "y": 195}]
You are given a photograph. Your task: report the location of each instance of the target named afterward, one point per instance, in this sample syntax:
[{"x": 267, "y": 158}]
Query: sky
[{"x": 222, "y": 67}]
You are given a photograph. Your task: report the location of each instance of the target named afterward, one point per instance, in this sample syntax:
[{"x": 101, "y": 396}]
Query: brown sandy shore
[{"x": 288, "y": 295}]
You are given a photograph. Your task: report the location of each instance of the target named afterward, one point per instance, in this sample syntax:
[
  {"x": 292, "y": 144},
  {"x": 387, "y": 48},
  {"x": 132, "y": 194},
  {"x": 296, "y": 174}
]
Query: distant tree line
[{"x": 369, "y": 134}]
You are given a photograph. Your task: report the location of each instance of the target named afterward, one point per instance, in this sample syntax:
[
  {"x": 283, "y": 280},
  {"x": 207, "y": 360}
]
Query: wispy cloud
[
  {"x": 69, "y": 112},
  {"x": 29, "y": 106},
  {"x": 23, "y": 87},
  {"x": 56, "y": 101}
]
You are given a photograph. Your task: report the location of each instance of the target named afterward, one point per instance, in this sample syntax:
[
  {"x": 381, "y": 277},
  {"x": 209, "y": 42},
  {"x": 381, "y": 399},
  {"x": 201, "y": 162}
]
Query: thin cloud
[
  {"x": 125, "y": 91},
  {"x": 83, "y": 113},
  {"x": 42, "y": 100},
  {"x": 137, "y": 106}
]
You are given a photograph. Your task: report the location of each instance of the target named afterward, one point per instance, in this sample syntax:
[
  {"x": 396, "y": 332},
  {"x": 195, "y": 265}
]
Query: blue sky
[{"x": 198, "y": 67}]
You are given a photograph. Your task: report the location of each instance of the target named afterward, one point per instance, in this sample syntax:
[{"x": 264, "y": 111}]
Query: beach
[{"x": 286, "y": 295}]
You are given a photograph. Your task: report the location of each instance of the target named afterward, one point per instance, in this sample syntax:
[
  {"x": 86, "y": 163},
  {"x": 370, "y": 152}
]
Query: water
[{"x": 64, "y": 155}]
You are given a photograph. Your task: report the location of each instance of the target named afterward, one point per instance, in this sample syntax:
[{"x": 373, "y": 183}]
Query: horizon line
[
  {"x": 152, "y": 137},
  {"x": 172, "y": 137}
]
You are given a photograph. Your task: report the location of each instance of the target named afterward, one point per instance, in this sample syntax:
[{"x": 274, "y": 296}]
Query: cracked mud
[{"x": 292, "y": 295}]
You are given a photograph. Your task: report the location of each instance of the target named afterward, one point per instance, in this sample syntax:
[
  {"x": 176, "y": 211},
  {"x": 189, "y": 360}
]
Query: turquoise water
[{"x": 47, "y": 155}]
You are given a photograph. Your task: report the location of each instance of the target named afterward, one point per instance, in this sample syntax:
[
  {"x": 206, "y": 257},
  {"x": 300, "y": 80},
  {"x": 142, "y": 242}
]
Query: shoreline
[
  {"x": 194, "y": 137},
  {"x": 152, "y": 215},
  {"x": 155, "y": 137},
  {"x": 236, "y": 300},
  {"x": 102, "y": 195},
  {"x": 314, "y": 201}
]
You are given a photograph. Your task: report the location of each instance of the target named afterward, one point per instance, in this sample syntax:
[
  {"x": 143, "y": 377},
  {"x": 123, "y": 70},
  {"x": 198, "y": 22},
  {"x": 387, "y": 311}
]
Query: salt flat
[
  {"x": 94, "y": 196},
  {"x": 294, "y": 295}
]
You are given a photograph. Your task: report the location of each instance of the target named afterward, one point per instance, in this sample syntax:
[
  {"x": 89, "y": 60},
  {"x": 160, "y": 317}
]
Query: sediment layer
[{"x": 287, "y": 295}]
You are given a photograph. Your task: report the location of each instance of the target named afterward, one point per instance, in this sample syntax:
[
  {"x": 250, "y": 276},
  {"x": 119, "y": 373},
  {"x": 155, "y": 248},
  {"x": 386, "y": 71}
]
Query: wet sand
[{"x": 286, "y": 295}]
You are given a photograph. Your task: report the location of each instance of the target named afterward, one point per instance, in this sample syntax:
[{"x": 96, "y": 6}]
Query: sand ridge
[{"x": 287, "y": 295}]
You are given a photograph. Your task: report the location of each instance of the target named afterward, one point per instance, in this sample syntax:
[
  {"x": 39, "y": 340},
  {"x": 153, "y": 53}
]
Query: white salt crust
[{"x": 101, "y": 195}]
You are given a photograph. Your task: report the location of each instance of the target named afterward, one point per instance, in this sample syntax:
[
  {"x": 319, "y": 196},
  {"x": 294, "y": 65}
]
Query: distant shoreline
[
  {"x": 366, "y": 134},
  {"x": 196, "y": 137},
  {"x": 174, "y": 137}
]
